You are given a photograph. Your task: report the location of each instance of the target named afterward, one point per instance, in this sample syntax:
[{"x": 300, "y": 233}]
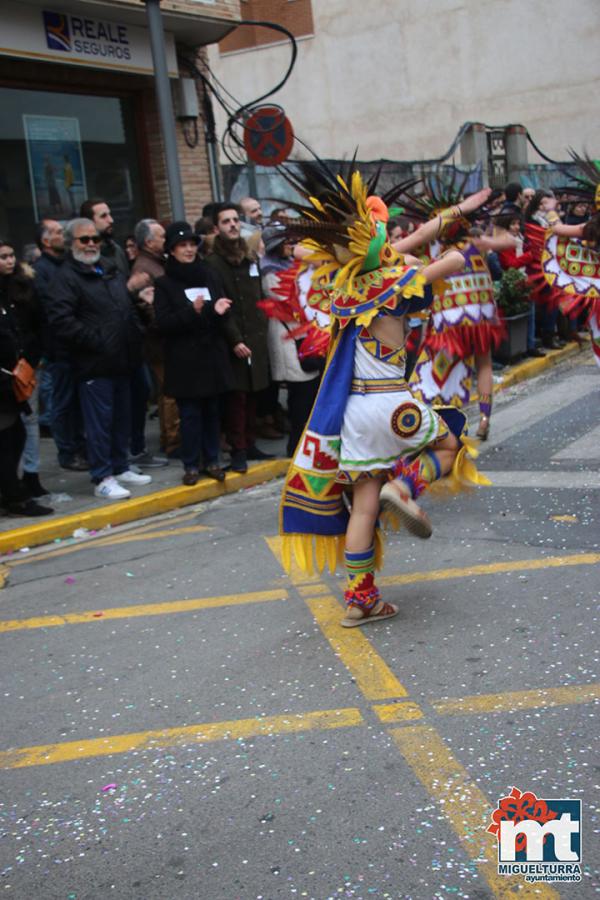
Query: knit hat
[{"x": 177, "y": 232}]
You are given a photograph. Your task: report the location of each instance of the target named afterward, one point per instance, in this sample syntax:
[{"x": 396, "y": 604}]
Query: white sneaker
[
  {"x": 129, "y": 477},
  {"x": 109, "y": 489}
]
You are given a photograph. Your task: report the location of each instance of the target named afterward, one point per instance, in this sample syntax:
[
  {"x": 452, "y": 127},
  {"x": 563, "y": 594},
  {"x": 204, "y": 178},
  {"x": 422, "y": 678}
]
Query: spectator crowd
[{"x": 170, "y": 319}]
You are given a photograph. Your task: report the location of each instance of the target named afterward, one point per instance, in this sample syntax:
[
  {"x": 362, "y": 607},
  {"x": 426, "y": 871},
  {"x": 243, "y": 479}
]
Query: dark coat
[
  {"x": 197, "y": 361},
  {"x": 18, "y": 321},
  {"x": 19, "y": 297},
  {"x": 114, "y": 254},
  {"x": 246, "y": 323},
  {"x": 45, "y": 269},
  {"x": 93, "y": 315}
]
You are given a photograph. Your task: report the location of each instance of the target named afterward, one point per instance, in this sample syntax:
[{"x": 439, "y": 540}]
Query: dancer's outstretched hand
[{"x": 474, "y": 201}]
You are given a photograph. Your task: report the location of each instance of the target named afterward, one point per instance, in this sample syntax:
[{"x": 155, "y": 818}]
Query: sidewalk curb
[
  {"x": 533, "y": 367},
  {"x": 174, "y": 498},
  {"x": 139, "y": 507}
]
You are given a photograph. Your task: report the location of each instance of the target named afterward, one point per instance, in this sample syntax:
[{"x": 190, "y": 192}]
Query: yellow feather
[
  {"x": 331, "y": 547},
  {"x": 320, "y": 553},
  {"x": 299, "y": 551},
  {"x": 286, "y": 553}
]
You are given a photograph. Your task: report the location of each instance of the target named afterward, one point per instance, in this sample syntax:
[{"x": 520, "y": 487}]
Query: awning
[{"x": 103, "y": 34}]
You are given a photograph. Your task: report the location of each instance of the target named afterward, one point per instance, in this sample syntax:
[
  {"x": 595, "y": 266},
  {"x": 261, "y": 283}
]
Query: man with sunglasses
[{"x": 94, "y": 317}]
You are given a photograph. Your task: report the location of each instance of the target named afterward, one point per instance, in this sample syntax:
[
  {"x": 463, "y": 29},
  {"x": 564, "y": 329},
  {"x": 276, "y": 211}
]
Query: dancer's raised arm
[{"x": 431, "y": 230}]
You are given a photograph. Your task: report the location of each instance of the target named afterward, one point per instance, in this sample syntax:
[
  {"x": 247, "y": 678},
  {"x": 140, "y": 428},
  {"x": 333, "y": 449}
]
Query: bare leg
[
  {"x": 412, "y": 476},
  {"x": 485, "y": 386},
  {"x": 363, "y": 601},
  {"x": 365, "y": 509}
]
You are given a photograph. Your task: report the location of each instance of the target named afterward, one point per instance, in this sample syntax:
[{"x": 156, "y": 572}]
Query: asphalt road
[{"x": 183, "y": 721}]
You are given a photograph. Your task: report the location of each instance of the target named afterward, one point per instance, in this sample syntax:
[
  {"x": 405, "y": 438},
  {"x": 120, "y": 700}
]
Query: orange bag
[{"x": 24, "y": 380}]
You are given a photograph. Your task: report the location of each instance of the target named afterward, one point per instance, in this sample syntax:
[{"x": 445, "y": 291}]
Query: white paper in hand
[{"x": 200, "y": 292}]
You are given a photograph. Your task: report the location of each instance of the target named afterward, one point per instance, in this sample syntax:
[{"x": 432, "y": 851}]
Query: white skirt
[{"x": 382, "y": 419}]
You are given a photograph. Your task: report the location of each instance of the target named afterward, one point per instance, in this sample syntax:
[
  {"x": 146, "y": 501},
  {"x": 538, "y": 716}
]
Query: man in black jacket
[
  {"x": 99, "y": 212},
  {"x": 65, "y": 413},
  {"x": 95, "y": 318},
  {"x": 245, "y": 332}
]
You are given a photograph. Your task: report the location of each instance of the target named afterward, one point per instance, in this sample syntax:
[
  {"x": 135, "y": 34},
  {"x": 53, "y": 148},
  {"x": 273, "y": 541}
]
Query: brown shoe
[
  {"x": 215, "y": 472},
  {"x": 395, "y": 496},
  {"x": 190, "y": 477}
]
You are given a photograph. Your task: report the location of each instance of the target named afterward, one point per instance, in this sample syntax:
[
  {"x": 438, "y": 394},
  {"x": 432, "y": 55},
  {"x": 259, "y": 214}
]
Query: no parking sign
[{"x": 268, "y": 136}]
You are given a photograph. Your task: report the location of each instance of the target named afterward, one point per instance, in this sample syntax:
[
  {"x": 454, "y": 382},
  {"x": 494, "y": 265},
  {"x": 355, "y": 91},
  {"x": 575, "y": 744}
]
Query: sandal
[
  {"x": 484, "y": 428},
  {"x": 381, "y": 610},
  {"x": 395, "y": 496}
]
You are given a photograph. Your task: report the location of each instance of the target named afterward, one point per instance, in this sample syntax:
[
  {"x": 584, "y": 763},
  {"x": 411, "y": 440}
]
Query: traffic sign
[{"x": 268, "y": 136}]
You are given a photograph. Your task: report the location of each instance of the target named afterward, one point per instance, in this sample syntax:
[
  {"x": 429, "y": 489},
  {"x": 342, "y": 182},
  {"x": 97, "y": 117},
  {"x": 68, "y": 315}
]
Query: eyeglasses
[{"x": 89, "y": 239}]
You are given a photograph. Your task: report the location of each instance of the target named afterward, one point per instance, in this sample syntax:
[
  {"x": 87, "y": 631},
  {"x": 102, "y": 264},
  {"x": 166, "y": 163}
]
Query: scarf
[
  {"x": 194, "y": 274},
  {"x": 234, "y": 252}
]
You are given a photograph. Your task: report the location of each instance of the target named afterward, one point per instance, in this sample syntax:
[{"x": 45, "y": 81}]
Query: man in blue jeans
[
  {"x": 65, "y": 420},
  {"x": 94, "y": 316}
]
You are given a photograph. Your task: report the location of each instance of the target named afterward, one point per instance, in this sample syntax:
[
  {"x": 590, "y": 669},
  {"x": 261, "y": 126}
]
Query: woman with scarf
[{"x": 189, "y": 313}]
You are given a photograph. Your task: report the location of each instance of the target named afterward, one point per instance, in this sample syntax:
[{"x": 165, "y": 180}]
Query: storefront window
[{"x": 58, "y": 149}]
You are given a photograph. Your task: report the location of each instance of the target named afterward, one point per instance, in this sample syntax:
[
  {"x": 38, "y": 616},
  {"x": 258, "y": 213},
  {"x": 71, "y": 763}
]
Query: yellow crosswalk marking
[
  {"x": 512, "y": 701},
  {"x": 144, "y": 533},
  {"x": 372, "y": 675},
  {"x": 518, "y": 565},
  {"x": 398, "y": 712},
  {"x": 47, "y": 754},
  {"x": 144, "y": 609},
  {"x": 467, "y": 809}
]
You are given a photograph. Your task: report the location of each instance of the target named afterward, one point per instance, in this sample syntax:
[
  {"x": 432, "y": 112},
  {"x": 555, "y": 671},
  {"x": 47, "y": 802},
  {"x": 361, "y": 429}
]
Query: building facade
[
  {"x": 79, "y": 116},
  {"x": 397, "y": 80}
]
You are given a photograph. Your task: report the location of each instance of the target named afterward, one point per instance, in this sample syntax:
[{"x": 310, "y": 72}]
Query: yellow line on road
[
  {"x": 398, "y": 712},
  {"x": 465, "y": 807},
  {"x": 46, "y": 754},
  {"x": 145, "y": 609},
  {"x": 372, "y": 675},
  {"x": 519, "y": 565},
  {"x": 141, "y": 534},
  {"x": 512, "y": 701}
]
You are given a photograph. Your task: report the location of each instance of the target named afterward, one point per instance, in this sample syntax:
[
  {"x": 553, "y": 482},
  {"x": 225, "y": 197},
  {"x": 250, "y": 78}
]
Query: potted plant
[{"x": 512, "y": 294}]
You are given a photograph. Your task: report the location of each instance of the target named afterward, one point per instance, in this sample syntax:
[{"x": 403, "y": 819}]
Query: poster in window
[{"x": 56, "y": 170}]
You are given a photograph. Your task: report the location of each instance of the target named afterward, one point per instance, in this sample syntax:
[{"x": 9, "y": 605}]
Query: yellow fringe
[
  {"x": 311, "y": 551},
  {"x": 464, "y": 474}
]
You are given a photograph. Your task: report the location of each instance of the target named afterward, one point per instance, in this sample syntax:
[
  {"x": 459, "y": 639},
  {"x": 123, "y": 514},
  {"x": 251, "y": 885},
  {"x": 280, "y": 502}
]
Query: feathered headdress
[
  {"x": 587, "y": 180},
  {"x": 344, "y": 224},
  {"x": 439, "y": 191}
]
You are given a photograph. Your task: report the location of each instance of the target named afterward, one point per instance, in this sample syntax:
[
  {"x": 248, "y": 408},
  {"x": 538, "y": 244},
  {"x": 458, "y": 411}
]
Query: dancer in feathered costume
[
  {"x": 465, "y": 323},
  {"x": 566, "y": 258},
  {"x": 366, "y": 428}
]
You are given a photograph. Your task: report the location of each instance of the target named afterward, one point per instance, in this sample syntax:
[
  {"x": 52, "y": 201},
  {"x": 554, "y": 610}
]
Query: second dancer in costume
[{"x": 465, "y": 324}]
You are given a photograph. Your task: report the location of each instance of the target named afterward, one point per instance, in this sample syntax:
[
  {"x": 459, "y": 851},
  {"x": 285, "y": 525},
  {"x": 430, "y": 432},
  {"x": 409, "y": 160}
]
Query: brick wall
[
  {"x": 295, "y": 15},
  {"x": 220, "y": 9},
  {"x": 193, "y": 161}
]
